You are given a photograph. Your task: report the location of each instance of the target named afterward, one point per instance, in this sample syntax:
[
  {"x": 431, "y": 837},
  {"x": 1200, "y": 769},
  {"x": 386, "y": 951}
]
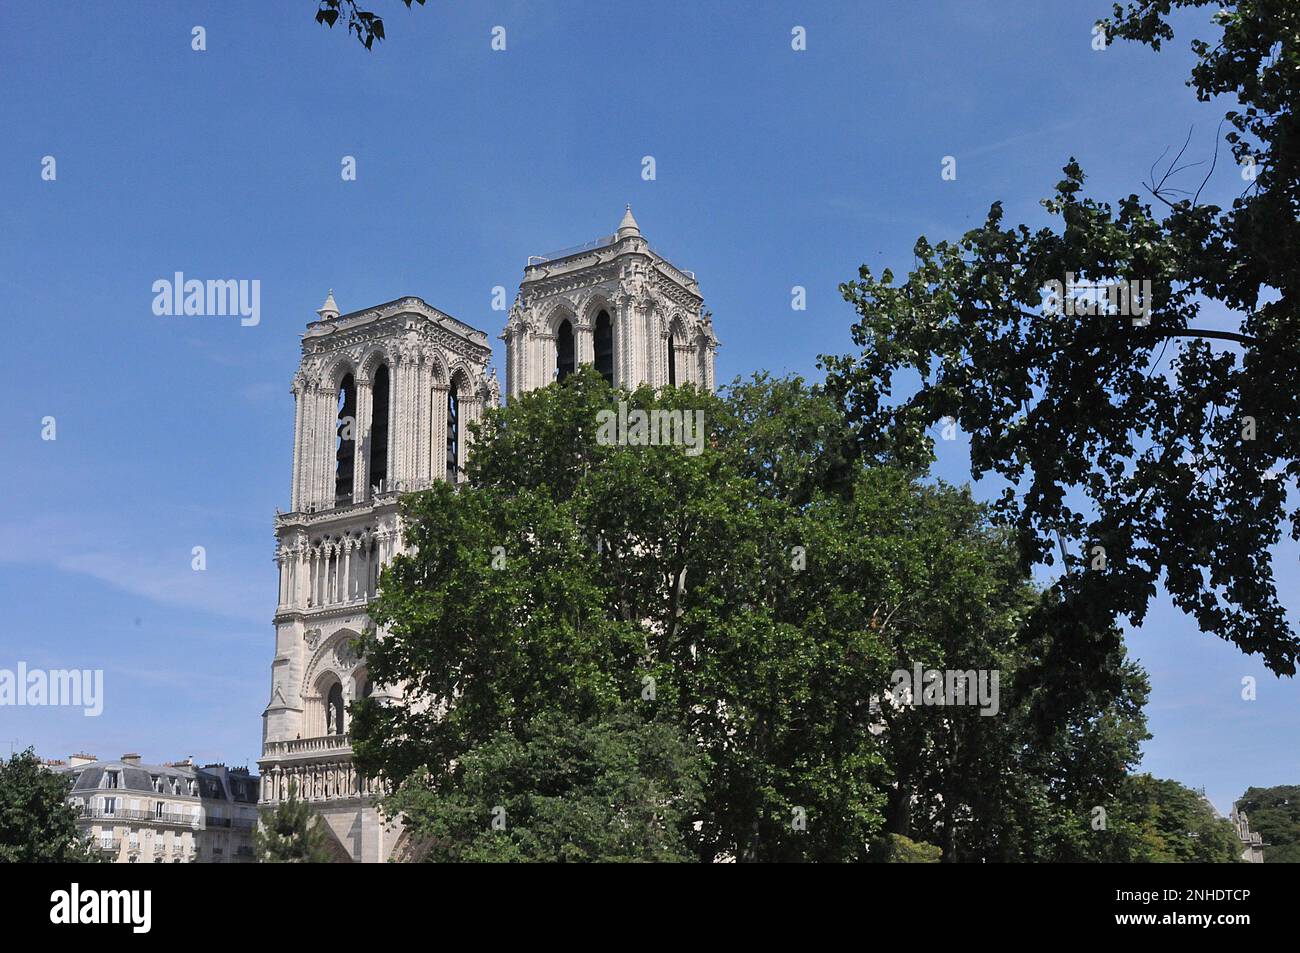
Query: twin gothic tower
[
  {"x": 614, "y": 303},
  {"x": 383, "y": 400}
]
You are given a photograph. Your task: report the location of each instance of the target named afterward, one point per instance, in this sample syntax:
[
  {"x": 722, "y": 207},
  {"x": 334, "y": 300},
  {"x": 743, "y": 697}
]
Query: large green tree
[
  {"x": 578, "y": 576},
  {"x": 943, "y": 588},
  {"x": 1121, "y": 470},
  {"x": 37, "y": 825},
  {"x": 756, "y": 594}
]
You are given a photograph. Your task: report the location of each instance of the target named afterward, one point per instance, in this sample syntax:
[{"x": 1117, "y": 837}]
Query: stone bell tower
[
  {"x": 383, "y": 399},
  {"x": 616, "y": 303}
]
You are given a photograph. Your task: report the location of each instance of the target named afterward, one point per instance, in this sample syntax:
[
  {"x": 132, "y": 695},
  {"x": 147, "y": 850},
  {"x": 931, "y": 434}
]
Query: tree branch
[{"x": 1218, "y": 335}]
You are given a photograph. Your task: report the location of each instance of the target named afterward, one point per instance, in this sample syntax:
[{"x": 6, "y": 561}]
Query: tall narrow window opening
[
  {"x": 604, "y": 344},
  {"x": 564, "y": 350},
  {"x": 453, "y": 433},
  {"x": 378, "y": 468},
  {"x": 345, "y": 442}
]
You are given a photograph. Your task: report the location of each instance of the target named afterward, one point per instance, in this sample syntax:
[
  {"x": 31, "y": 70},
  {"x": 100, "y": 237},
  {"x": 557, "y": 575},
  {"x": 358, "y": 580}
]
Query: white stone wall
[
  {"x": 647, "y": 298},
  {"x": 190, "y": 830}
]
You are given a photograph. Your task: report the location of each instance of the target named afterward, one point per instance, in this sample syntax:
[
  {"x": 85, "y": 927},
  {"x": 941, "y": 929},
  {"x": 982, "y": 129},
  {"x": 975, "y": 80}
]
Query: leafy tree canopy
[
  {"x": 897, "y": 849},
  {"x": 292, "y": 834},
  {"x": 37, "y": 825},
  {"x": 1274, "y": 814},
  {"x": 562, "y": 791},
  {"x": 1179, "y": 474},
  {"x": 1154, "y": 820},
  {"x": 755, "y": 598}
]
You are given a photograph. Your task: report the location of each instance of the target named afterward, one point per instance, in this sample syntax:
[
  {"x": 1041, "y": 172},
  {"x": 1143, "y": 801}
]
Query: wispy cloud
[{"x": 127, "y": 566}]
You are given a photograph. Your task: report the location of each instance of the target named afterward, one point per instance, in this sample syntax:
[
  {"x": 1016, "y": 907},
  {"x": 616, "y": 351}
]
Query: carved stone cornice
[
  {"x": 402, "y": 332},
  {"x": 351, "y": 611}
]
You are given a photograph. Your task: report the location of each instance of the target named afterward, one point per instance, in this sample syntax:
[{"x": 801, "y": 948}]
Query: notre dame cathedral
[{"x": 383, "y": 398}]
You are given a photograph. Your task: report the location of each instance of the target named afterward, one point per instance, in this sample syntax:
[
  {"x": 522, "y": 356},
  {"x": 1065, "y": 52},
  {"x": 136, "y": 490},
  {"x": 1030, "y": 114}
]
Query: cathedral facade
[{"x": 383, "y": 399}]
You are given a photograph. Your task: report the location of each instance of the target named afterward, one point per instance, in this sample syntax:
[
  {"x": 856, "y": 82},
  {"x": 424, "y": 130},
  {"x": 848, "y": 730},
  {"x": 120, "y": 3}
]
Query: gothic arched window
[
  {"x": 378, "y": 468},
  {"x": 672, "y": 361},
  {"x": 345, "y": 444},
  {"x": 453, "y": 432},
  {"x": 334, "y": 710},
  {"x": 605, "y": 346},
  {"x": 564, "y": 350}
]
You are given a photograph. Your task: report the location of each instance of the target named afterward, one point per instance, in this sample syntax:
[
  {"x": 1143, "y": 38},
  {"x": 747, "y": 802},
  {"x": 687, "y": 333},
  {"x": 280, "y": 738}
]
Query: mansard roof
[{"x": 215, "y": 782}]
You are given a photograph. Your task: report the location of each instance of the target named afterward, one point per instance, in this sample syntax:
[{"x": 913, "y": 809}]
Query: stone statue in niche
[{"x": 333, "y": 717}]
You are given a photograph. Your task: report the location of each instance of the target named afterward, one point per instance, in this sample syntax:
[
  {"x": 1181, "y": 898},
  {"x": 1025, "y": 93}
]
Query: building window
[
  {"x": 564, "y": 350},
  {"x": 110, "y": 806},
  {"x": 453, "y": 433},
  {"x": 605, "y": 346},
  {"x": 159, "y": 809},
  {"x": 110, "y": 779},
  {"x": 672, "y": 362},
  {"x": 379, "y": 429},
  {"x": 345, "y": 444}
]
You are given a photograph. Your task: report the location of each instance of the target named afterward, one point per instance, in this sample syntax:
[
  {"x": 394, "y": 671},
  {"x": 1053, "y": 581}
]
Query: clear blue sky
[{"x": 774, "y": 169}]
